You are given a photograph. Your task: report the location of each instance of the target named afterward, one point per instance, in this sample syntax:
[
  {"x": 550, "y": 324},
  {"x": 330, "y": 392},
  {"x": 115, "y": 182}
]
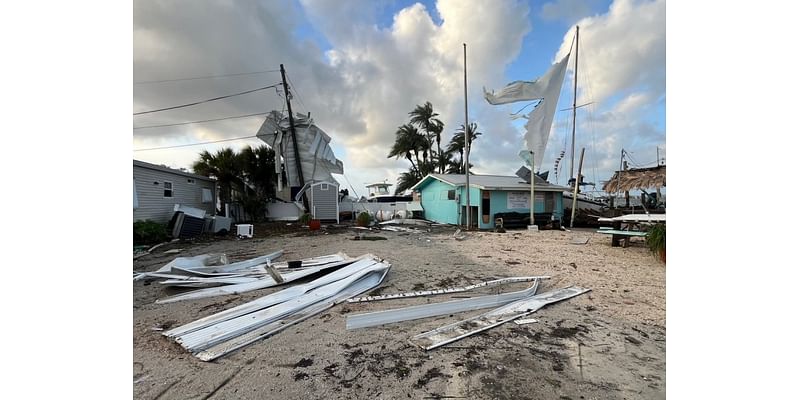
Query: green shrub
[
  {"x": 657, "y": 239},
  {"x": 149, "y": 232},
  {"x": 305, "y": 218},
  {"x": 363, "y": 219}
]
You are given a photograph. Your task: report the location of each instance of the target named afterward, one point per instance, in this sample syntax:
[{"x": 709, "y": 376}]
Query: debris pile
[
  {"x": 224, "y": 332},
  {"x": 215, "y": 277},
  {"x": 513, "y": 305}
]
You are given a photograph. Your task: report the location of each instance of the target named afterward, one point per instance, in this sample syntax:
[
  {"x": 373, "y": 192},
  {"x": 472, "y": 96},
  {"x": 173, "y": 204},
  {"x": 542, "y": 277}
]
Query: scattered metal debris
[
  {"x": 407, "y": 221},
  {"x": 219, "y": 334},
  {"x": 458, "y": 330},
  {"x": 263, "y": 280},
  {"x": 525, "y": 321},
  {"x": 448, "y": 290},
  {"x": 430, "y": 310}
]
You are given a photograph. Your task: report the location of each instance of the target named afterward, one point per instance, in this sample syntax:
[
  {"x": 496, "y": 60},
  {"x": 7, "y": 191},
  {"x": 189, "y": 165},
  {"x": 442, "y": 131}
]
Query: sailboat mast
[
  {"x": 466, "y": 139},
  {"x": 574, "y": 108}
]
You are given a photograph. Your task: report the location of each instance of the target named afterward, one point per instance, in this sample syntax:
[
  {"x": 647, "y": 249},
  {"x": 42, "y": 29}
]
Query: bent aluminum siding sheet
[
  {"x": 431, "y": 310},
  {"x": 223, "y": 331},
  {"x": 262, "y": 283},
  {"x": 455, "y": 331},
  {"x": 448, "y": 290},
  {"x": 365, "y": 284},
  {"x": 269, "y": 300}
]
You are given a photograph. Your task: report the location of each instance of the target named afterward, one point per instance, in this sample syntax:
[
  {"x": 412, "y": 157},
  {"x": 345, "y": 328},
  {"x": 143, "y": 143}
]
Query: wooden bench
[{"x": 624, "y": 237}]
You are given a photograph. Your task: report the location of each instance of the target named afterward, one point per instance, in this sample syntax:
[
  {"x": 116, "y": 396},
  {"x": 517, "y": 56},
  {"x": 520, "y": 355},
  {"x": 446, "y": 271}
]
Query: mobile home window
[
  {"x": 323, "y": 186},
  {"x": 451, "y": 195},
  {"x": 167, "y": 189},
  {"x": 206, "y": 193},
  {"x": 191, "y": 181}
]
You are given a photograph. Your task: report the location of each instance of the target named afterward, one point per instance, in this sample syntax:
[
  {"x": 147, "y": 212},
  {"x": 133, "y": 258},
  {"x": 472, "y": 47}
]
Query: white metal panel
[
  {"x": 324, "y": 288},
  {"x": 461, "y": 329},
  {"x": 432, "y": 310}
]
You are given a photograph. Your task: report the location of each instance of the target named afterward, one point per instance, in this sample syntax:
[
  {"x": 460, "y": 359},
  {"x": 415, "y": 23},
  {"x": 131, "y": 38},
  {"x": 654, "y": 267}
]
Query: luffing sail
[{"x": 547, "y": 89}]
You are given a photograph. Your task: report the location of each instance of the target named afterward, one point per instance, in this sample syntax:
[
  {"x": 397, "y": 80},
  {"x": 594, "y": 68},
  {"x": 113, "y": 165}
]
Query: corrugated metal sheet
[
  {"x": 491, "y": 283},
  {"x": 223, "y": 329},
  {"x": 458, "y": 330},
  {"x": 262, "y": 283},
  {"x": 431, "y": 310}
]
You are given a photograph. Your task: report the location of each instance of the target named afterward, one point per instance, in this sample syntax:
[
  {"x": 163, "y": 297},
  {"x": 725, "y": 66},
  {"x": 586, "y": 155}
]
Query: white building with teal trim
[{"x": 443, "y": 198}]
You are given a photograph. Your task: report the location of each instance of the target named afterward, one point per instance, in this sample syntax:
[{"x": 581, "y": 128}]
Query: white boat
[{"x": 379, "y": 193}]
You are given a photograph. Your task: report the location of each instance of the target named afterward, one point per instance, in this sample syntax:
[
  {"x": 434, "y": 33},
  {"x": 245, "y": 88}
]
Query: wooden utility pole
[
  {"x": 294, "y": 137},
  {"x": 575, "y": 193},
  {"x": 466, "y": 137}
]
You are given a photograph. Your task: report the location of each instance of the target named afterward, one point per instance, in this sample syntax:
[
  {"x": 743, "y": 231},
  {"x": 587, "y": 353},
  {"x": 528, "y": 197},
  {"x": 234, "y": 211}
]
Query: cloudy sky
[{"x": 360, "y": 66}]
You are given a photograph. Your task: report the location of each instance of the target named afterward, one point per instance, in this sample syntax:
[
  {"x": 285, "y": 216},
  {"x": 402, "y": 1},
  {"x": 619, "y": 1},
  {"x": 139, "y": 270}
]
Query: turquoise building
[{"x": 444, "y": 200}]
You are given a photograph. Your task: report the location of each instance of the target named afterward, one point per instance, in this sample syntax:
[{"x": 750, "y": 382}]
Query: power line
[
  {"x": 195, "y": 144},
  {"x": 297, "y": 92},
  {"x": 206, "y": 77},
  {"x": 197, "y": 122},
  {"x": 206, "y": 101}
]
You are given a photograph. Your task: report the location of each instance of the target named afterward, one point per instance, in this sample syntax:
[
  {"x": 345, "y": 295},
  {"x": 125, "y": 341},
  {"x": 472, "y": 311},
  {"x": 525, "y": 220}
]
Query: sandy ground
[{"x": 607, "y": 344}]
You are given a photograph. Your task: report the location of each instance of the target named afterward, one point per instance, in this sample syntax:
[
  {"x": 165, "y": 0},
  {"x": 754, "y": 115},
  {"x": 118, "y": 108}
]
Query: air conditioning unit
[{"x": 244, "y": 230}]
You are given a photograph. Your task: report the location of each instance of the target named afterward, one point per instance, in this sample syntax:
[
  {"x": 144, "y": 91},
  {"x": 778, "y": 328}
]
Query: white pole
[
  {"x": 466, "y": 136},
  {"x": 533, "y": 201}
]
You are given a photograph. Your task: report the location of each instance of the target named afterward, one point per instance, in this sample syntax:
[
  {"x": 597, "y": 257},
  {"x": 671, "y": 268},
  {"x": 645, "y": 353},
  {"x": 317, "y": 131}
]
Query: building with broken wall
[{"x": 444, "y": 200}]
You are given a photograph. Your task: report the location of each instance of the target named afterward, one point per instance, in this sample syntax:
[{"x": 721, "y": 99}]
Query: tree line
[
  {"x": 417, "y": 137},
  {"x": 247, "y": 177}
]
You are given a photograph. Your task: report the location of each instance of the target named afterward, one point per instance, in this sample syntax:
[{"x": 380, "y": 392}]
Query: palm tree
[
  {"x": 258, "y": 169},
  {"x": 457, "y": 146},
  {"x": 408, "y": 140},
  {"x": 406, "y": 181},
  {"x": 424, "y": 117},
  {"x": 224, "y": 166}
]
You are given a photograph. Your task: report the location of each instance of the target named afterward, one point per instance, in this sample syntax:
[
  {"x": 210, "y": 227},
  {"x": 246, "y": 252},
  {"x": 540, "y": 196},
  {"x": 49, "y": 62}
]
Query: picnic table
[
  {"x": 620, "y": 237},
  {"x": 627, "y": 226}
]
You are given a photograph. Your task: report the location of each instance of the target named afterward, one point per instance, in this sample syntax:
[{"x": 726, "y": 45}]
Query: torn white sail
[
  {"x": 537, "y": 89},
  {"x": 546, "y": 89},
  {"x": 317, "y": 160}
]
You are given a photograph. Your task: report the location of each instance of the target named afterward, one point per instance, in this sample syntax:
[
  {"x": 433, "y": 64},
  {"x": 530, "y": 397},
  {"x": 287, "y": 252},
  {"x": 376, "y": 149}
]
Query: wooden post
[{"x": 575, "y": 193}]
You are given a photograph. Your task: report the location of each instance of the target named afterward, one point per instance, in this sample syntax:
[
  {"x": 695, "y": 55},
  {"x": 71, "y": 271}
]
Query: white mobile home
[{"x": 156, "y": 190}]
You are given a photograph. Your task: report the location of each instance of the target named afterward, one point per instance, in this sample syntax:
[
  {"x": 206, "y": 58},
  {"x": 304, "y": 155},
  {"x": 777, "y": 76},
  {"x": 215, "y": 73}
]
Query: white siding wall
[
  {"x": 152, "y": 203},
  {"x": 324, "y": 203}
]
